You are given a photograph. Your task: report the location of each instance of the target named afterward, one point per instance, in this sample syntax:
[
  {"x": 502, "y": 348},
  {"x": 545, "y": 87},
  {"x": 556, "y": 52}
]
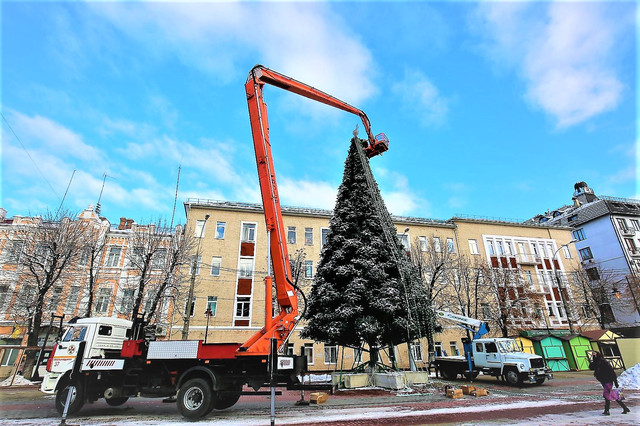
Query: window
[
  {"x": 586, "y": 311},
  {"x": 9, "y": 357},
  {"x": 149, "y": 300},
  {"x": 635, "y": 223},
  {"x": 243, "y": 305},
  {"x": 75, "y": 334},
  {"x": 72, "y": 300},
  {"x": 105, "y": 330},
  {"x": 572, "y": 218},
  {"x": 416, "y": 351},
  {"x": 4, "y": 292},
  {"x": 198, "y": 232},
  {"x": 54, "y": 299},
  {"x": 15, "y": 251},
  {"x": 424, "y": 246},
  {"x": 593, "y": 274},
  {"x": 308, "y": 352},
  {"x": 622, "y": 224},
  {"x": 191, "y": 309},
  {"x": 102, "y": 300},
  {"x": 291, "y": 235},
  {"x": 631, "y": 245},
  {"x": 508, "y": 249},
  {"x": 529, "y": 277},
  {"x": 499, "y": 247},
  {"x": 126, "y": 305},
  {"x": 567, "y": 252},
  {"x": 486, "y": 310},
  {"x": 453, "y": 346},
  {"x": 220, "y": 226},
  {"x": 113, "y": 257},
  {"x": 450, "y": 246},
  {"x": 245, "y": 267},
  {"x": 290, "y": 349},
  {"x": 212, "y": 304},
  {"x": 473, "y": 247},
  {"x": 159, "y": 259},
  {"x": 492, "y": 251},
  {"x": 491, "y": 347},
  {"x": 437, "y": 347},
  {"x": 216, "y": 262},
  {"x": 249, "y": 232},
  {"x": 578, "y": 234},
  {"x": 357, "y": 355},
  {"x": 308, "y": 268},
  {"x": 585, "y": 253},
  {"x": 479, "y": 347},
  {"x": 323, "y": 237},
  {"x": 404, "y": 240},
  {"x": 195, "y": 263},
  {"x": 436, "y": 244},
  {"x": 136, "y": 256},
  {"x": 308, "y": 236},
  {"x": 538, "y": 310},
  {"x": 330, "y": 354},
  {"x": 522, "y": 248}
]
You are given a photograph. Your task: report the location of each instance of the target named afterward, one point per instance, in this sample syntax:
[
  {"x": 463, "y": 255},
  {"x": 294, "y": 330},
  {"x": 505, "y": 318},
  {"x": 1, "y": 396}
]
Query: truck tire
[
  {"x": 115, "y": 402},
  {"x": 448, "y": 374},
  {"x": 540, "y": 381},
  {"x": 512, "y": 377},
  {"x": 77, "y": 398},
  {"x": 195, "y": 398},
  {"x": 222, "y": 400}
]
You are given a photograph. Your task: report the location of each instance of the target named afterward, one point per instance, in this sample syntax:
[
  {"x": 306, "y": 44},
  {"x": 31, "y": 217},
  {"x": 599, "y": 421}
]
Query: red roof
[{"x": 594, "y": 334}]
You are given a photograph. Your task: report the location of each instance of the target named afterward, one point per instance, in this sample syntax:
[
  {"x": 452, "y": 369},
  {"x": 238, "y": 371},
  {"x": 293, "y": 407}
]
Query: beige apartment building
[{"x": 536, "y": 261}]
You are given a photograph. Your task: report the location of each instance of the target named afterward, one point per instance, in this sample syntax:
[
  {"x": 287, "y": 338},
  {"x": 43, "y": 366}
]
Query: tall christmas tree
[{"x": 365, "y": 292}]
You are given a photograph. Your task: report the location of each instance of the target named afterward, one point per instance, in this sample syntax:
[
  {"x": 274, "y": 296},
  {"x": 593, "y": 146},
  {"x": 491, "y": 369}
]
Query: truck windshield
[
  {"x": 508, "y": 346},
  {"x": 75, "y": 334}
]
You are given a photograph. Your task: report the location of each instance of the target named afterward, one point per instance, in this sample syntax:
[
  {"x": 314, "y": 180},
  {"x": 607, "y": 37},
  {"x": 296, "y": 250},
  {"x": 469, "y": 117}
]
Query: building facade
[
  {"x": 533, "y": 261},
  {"x": 607, "y": 235}
]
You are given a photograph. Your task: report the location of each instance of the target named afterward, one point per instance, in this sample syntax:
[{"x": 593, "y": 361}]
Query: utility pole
[
  {"x": 560, "y": 287},
  {"x": 192, "y": 284}
]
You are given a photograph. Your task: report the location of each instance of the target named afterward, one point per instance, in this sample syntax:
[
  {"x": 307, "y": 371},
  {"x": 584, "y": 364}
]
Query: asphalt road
[{"x": 571, "y": 398}]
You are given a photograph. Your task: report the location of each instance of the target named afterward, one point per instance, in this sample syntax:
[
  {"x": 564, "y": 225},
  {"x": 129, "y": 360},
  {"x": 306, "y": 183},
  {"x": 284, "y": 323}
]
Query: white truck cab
[{"x": 103, "y": 335}]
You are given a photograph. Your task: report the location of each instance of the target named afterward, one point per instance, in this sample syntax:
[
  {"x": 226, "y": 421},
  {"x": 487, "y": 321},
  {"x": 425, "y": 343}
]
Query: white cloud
[
  {"x": 304, "y": 40},
  {"x": 420, "y": 96},
  {"x": 307, "y": 193},
  {"x": 399, "y": 198},
  {"x": 564, "y": 55}
]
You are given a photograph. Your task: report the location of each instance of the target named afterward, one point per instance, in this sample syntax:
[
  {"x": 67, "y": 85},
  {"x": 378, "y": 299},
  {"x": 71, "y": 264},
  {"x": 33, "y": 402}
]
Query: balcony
[
  {"x": 635, "y": 252},
  {"x": 627, "y": 232},
  {"x": 528, "y": 259}
]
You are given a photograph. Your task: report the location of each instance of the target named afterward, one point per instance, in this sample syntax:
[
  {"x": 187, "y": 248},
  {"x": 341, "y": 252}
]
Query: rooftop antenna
[
  {"x": 104, "y": 178},
  {"x": 65, "y": 192},
  {"x": 175, "y": 199}
]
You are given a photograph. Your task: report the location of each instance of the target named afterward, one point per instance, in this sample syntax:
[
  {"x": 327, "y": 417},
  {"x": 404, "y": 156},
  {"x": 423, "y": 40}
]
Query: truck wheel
[
  {"x": 77, "y": 398},
  {"x": 223, "y": 400},
  {"x": 114, "y": 402},
  {"x": 512, "y": 377},
  {"x": 448, "y": 374},
  {"x": 194, "y": 399},
  {"x": 539, "y": 381}
]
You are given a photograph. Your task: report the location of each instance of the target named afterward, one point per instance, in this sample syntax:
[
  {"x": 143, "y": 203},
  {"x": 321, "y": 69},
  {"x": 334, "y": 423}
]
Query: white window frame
[
  {"x": 424, "y": 244},
  {"x": 242, "y": 303},
  {"x": 113, "y": 257},
  {"x": 212, "y": 303},
  {"x": 404, "y": 240},
  {"x": 308, "y": 236},
  {"x": 292, "y": 236},
  {"x": 248, "y": 232},
  {"x": 474, "y": 248},
  {"x": 566, "y": 252},
  {"x": 308, "y": 269},
  {"x": 200, "y": 230},
  {"x": 220, "y": 230},
  {"x": 242, "y": 271},
  {"x": 451, "y": 246},
  {"x": 126, "y": 305},
  {"x": 193, "y": 307},
  {"x": 416, "y": 351},
  {"x": 437, "y": 245},
  {"x": 103, "y": 297},
  {"x": 332, "y": 352},
  {"x": 216, "y": 262},
  {"x": 72, "y": 300},
  {"x": 309, "y": 353}
]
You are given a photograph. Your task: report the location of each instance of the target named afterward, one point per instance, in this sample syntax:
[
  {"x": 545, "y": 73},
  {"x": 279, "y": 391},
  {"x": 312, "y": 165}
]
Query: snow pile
[
  {"x": 316, "y": 378},
  {"x": 18, "y": 381},
  {"x": 630, "y": 379}
]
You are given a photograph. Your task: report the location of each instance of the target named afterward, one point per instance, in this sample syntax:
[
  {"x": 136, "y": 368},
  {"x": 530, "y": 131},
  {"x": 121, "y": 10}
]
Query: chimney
[
  {"x": 129, "y": 223},
  {"x": 123, "y": 221}
]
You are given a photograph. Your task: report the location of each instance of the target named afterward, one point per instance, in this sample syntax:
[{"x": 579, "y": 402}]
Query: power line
[{"x": 28, "y": 155}]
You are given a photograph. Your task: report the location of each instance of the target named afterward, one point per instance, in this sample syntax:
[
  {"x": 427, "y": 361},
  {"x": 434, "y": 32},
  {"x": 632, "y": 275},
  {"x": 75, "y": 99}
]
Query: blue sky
[{"x": 492, "y": 109}]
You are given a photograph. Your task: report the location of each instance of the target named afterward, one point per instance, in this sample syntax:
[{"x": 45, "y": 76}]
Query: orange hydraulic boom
[{"x": 280, "y": 327}]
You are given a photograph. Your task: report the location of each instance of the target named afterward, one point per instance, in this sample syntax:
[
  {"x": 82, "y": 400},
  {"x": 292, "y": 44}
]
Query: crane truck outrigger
[
  {"x": 499, "y": 357},
  {"x": 117, "y": 359}
]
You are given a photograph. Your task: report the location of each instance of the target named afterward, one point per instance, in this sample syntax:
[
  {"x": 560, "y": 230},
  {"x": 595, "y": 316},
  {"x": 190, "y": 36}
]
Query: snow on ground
[
  {"x": 630, "y": 379},
  {"x": 18, "y": 381},
  {"x": 579, "y": 417}
]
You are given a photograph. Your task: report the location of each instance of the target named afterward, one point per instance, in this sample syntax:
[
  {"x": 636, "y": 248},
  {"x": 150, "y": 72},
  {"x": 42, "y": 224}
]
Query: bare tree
[
  {"x": 51, "y": 246},
  {"x": 466, "y": 281},
  {"x": 91, "y": 256},
  {"x": 508, "y": 298},
  {"x": 155, "y": 256},
  {"x": 431, "y": 261}
]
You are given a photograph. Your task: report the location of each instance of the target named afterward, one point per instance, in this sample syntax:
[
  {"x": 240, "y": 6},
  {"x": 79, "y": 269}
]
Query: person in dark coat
[{"x": 607, "y": 377}]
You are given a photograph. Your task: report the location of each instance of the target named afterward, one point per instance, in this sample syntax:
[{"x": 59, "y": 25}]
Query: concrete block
[
  {"x": 389, "y": 380},
  {"x": 454, "y": 393},
  {"x": 416, "y": 377},
  {"x": 318, "y": 398}
]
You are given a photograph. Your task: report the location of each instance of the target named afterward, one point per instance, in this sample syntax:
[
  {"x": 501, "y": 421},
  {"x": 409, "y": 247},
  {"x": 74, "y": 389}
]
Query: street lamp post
[
  {"x": 192, "y": 284},
  {"x": 560, "y": 287},
  {"x": 208, "y": 314}
]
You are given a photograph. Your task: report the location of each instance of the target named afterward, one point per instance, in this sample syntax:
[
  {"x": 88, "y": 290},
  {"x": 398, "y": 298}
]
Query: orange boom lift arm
[{"x": 280, "y": 327}]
